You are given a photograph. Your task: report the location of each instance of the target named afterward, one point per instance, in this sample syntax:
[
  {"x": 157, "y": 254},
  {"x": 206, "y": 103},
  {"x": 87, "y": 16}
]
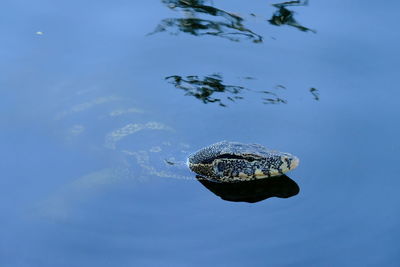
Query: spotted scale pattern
[{"x": 232, "y": 161}]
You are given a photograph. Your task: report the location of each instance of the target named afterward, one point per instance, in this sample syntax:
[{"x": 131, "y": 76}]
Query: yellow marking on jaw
[
  {"x": 274, "y": 172},
  {"x": 284, "y": 166},
  {"x": 259, "y": 174},
  {"x": 243, "y": 175},
  {"x": 295, "y": 162}
]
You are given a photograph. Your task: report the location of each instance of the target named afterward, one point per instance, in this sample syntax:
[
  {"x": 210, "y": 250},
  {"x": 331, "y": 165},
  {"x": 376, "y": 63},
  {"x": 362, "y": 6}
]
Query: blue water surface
[{"x": 88, "y": 121}]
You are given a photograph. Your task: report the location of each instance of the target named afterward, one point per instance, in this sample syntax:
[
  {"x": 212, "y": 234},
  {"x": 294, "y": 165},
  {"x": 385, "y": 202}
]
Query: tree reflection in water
[
  {"x": 284, "y": 16},
  {"x": 315, "y": 93},
  {"x": 231, "y": 27},
  {"x": 210, "y": 89},
  {"x": 202, "y": 19}
]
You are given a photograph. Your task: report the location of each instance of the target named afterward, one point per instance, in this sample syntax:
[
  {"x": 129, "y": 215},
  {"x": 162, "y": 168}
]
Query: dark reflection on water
[
  {"x": 88, "y": 125},
  {"x": 315, "y": 93},
  {"x": 284, "y": 16},
  {"x": 252, "y": 191},
  {"x": 210, "y": 89},
  {"x": 231, "y": 27}
]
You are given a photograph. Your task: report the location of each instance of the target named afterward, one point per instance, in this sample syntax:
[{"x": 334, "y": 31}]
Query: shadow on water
[
  {"x": 284, "y": 16},
  {"x": 230, "y": 26},
  {"x": 210, "y": 89},
  {"x": 252, "y": 191}
]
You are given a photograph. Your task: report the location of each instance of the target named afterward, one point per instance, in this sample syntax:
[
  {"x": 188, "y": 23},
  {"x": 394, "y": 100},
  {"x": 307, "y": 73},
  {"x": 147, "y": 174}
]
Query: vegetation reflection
[
  {"x": 252, "y": 191},
  {"x": 211, "y": 89},
  {"x": 230, "y": 27},
  {"x": 203, "y": 19},
  {"x": 315, "y": 93},
  {"x": 284, "y": 16}
]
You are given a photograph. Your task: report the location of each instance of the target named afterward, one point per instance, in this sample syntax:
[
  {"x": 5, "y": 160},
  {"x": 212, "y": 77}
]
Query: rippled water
[{"x": 102, "y": 103}]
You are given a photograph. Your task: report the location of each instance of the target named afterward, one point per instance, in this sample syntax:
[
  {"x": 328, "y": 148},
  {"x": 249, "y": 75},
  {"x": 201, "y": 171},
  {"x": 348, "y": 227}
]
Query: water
[{"x": 89, "y": 120}]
